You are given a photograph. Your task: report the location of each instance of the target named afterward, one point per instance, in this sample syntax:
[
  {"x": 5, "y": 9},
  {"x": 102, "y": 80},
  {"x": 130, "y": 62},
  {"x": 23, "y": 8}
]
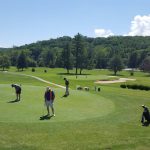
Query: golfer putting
[
  {"x": 18, "y": 91},
  {"x": 49, "y": 100}
]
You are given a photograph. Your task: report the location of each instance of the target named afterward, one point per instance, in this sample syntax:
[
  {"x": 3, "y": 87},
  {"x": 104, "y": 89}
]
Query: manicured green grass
[
  {"x": 7, "y": 78},
  {"x": 109, "y": 119},
  {"x": 91, "y": 77},
  {"x": 77, "y": 106}
]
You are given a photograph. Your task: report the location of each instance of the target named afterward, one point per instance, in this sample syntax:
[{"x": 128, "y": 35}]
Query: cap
[{"x": 48, "y": 88}]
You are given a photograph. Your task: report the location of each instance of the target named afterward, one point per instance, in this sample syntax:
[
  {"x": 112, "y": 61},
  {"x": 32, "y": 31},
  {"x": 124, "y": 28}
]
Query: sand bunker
[{"x": 116, "y": 81}]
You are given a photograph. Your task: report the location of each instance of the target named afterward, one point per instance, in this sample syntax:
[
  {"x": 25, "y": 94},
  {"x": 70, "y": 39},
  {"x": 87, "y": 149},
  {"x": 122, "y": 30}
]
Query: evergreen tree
[{"x": 79, "y": 52}]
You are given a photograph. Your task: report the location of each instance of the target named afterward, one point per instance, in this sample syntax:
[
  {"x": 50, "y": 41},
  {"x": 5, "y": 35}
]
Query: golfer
[
  {"x": 145, "y": 115},
  {"x": 18, "y": 91},
  {"x": 49, "y": 100},
  {"x": 67, "y": 87}
]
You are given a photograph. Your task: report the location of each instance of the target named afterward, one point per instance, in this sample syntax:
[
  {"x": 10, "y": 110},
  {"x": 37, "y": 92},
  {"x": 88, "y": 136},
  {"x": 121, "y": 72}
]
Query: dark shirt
[
  {"x": 67, "y": 82},
  {"x": 49, "y": 95},
  {"x": 17, "y": 87},
  {"x": 146, "y": 113}
]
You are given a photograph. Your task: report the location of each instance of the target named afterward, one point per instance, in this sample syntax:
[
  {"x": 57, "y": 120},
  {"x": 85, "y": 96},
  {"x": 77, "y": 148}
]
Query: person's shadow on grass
[
  {"x": 45, "y": 117},
  {"x": 65, "y": 95},
  {"x": 14, "y": 101}
]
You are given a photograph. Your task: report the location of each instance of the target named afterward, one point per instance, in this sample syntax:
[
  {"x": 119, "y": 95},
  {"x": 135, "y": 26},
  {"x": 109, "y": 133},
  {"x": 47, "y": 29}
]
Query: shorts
[
  {"x": 49, "y": 103},
  {"x": 18, "y": 91}
]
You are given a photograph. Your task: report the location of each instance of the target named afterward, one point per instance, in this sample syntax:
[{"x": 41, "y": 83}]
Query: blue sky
[{"x": 27, "y": 21}]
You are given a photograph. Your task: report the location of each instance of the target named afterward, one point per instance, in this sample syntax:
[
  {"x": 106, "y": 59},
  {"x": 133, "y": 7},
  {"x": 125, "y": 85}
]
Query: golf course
[{"x": 108, "y": 119}]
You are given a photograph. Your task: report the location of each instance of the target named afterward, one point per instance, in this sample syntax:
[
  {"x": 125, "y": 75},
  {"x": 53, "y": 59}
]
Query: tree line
[{"x": 81, "y": 52}]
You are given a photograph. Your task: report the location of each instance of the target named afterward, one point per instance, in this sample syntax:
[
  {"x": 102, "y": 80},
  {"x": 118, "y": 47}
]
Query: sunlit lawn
[{"x": 109, "y": 119}]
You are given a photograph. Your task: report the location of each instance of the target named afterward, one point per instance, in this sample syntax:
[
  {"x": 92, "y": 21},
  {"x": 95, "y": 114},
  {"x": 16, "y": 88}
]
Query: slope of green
[{"x": 79, "y": 105}]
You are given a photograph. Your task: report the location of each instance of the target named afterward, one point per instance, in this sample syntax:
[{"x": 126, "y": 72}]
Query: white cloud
[
  {"x": 103, "y": 33},
  {"x": 140, "y": 26}
]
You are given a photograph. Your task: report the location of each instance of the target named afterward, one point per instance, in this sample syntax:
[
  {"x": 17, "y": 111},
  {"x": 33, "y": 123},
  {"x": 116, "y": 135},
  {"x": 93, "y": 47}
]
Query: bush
[
  {"x": 99, "y": 89},
  {"x": 33, "y": 69},
  {"x": 135, "y": 87},
  {"x": 141, "y": 87},
  {"x": 131, "y": 73},
  {"x": 129, "y": 86},
  {"x": 147, "y": 88},
  {"x": 123, "y": 86}
]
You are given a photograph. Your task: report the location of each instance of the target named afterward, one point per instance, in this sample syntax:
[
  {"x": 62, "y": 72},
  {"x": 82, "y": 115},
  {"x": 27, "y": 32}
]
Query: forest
[{"x": 81, "y": 52}]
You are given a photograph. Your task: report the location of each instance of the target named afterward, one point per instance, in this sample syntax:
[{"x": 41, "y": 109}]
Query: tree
[
  {"x": 145, "y": 66},
  {"x": 31, "y": 62},
  {"x": 116, "y": 64},
  {"x": 90, "y": 62},
  {"x": 142, "y": 56},
  {"x": 41, "y": 62},
  {"x": 48, "y": 56},
  {"x": 101, "y": 57},
  {"x": 79, "y": 53},
  {"x": 4, "y": 62},
  {"x": 13, "y": 57},
  {"x": 22, "y": 61},
  {"x": 104, "y": 49},
  {"x": 67, "y": 57},
  {"x": 133, "y": 60},
  {"x": 35, "y": 53}
]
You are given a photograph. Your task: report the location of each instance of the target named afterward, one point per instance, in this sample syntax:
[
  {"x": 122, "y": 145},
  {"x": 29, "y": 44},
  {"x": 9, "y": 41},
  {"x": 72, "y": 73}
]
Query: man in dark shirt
[
  {"x": 18, "y": 91},
  {"x": 49, "y": 96},
  {"x": 67, "y": 87},
  {"x": 145, "y": 115}
]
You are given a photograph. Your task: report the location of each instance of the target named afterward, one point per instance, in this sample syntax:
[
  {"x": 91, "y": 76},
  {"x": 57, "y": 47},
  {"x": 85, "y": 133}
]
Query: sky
[{"x": 27, "y": 21}]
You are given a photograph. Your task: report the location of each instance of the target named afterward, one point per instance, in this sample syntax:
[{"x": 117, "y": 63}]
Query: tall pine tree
[{"x": 79, "y": 51}]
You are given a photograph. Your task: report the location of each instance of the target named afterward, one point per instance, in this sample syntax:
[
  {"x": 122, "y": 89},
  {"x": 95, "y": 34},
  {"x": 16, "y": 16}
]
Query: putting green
[{"x": 79, "y": 105}]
